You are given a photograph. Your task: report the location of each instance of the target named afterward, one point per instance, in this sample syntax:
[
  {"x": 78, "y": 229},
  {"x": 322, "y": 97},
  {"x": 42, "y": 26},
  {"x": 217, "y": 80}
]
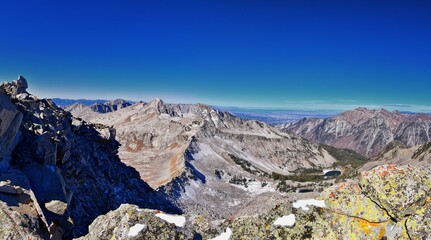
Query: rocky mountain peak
[
  {"x": 18, "y": 86},
  {"x": 21, "y": 82},
  {"x": 156, "y": 103},
  {"x": 117, "y": 101}
]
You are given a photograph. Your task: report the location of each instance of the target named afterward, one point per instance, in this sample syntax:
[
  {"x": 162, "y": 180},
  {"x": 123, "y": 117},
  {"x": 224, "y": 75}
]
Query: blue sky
[{"x": 270, "y": 54}]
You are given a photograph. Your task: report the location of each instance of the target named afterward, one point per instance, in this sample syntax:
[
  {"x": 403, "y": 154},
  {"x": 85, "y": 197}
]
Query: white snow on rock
[
  {"x": 308, "y": 202},
  {"x": 178, "y": 220},
  {"x": 256, "y": 187},
  {"x": 135, "y": 230},
  {"x": 285, "y": 221},
  {"x": 224, "y": 236}
]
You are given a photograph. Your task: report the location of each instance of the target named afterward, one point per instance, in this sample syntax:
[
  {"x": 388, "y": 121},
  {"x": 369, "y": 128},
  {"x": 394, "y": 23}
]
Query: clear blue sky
[{"x": 234, "y": 53}]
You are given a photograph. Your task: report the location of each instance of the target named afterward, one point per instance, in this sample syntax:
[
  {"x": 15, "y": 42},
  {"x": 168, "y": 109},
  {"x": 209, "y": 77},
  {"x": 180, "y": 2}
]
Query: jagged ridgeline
[
  {"x": 365, "y": 131},
  {"x": 58, "y": 173}
]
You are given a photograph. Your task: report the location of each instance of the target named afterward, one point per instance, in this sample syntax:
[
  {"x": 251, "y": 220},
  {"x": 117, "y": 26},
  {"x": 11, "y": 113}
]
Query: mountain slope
[
  {"x": 398, "y": 153},
  {"x": 365, "y": 131},
  {"x": 210, "y": 162}
]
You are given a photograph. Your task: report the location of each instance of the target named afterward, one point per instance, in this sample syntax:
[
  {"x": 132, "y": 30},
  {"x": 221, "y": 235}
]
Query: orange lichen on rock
[
  {"x": 368, "y": 226},
  {"x": 332, "y": 195}
]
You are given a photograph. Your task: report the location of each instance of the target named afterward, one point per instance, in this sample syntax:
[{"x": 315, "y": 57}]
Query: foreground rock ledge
[{"x": 387, "y": 202}]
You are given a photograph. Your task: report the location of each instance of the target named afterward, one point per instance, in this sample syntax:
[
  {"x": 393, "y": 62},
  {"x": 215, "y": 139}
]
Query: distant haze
[{"x": 268, "y": 115}]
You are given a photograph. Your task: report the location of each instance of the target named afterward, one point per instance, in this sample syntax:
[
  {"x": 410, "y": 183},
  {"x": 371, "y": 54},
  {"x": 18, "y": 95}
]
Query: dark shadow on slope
[{"x": 93, "y": 179}]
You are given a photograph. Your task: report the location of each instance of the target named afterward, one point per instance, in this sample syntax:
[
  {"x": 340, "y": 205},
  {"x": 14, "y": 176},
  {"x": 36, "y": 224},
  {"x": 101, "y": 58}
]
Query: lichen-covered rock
[
  {"x": 263, "y": 227},
  {"x": 347, "y": 199},
  {"x": 400, "y": 190},
  {"x": 18, "y": 224},
  {"x": 131, "y": 222},
  {"x": 419, "y": 224},
  {"x": 390, "y": 202}
]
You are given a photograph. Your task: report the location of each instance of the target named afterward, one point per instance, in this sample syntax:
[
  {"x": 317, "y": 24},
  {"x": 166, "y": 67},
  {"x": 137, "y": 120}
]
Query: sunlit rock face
[{"x": 365, "y": 131}]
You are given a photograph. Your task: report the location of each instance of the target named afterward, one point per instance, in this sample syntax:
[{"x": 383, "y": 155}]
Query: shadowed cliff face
[
  {"x": 71, "y": 167},
  {"x": 365, "y": 131}
]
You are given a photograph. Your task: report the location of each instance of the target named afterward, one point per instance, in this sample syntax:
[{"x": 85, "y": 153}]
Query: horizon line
[{"x": 305, "y": 107}]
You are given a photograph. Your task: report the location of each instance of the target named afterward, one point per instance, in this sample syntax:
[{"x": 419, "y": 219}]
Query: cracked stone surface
[{"x": 401, "y": 190}]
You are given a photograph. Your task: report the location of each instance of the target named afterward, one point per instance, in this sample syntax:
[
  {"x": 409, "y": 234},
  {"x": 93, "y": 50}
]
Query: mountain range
[
  {"x": 209, "y": 162},
  {"x": 365, "y": 131},
  {"x": 153, "y": 170}
]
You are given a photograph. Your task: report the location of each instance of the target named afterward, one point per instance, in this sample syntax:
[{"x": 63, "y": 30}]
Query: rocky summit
[
  {"x": 58, "y": 173},
  {"x": 365, "y": 131}
]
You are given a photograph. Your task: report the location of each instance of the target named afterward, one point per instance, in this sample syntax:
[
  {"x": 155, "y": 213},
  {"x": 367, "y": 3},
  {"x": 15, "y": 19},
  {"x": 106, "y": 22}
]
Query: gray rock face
[
  {"x": 10, "y": 121},
  {"x": 71, "y": 167},
  {"x": 366, "y": 131}
]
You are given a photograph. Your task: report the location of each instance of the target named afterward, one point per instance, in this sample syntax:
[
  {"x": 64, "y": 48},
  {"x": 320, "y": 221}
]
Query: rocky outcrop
[
  {"x": 388, "y": 202},
  {"x": 69, "y": 168},
  {"x": 20, "y": 214},
  {"x": 366, "y": 131},
  {"x": 131, "y": 222}
]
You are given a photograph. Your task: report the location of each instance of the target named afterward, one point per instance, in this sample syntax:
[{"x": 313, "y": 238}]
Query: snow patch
[
  {"x": 308, "y": 202},
  {"x": 256, "y": 187},
  {"x": 224, "y": 236},
  {"x": 234, "y": 203},
  {"x": 178, "y": 220},
  {"x": 135, "y": 230},
  {"x": 285, "y": 221}
]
